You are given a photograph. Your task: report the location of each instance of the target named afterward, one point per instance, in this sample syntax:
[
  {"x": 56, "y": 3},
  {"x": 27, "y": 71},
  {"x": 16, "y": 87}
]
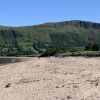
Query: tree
[
  {"x": 92, "y": 47},
  {"x": 88, "y": 46},
  {"x": 95, "y": 47}
]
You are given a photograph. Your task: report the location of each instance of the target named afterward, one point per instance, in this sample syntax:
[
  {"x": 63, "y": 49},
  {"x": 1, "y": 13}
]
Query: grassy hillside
[{"x": 31, "y": 40}]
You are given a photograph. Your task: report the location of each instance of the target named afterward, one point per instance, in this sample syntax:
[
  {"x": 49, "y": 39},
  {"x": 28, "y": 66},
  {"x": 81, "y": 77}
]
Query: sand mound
[{"x": 70, "y": 78}]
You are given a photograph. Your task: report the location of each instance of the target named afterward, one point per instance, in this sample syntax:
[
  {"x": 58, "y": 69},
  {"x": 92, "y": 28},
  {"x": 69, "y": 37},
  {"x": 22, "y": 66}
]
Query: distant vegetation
[
  {"x": 92, "y": 47},
  {"x": 67, "y": 38}
]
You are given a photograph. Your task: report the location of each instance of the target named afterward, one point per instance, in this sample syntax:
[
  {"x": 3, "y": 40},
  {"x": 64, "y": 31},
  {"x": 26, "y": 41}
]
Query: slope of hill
[{"x": 36, "y": 39}]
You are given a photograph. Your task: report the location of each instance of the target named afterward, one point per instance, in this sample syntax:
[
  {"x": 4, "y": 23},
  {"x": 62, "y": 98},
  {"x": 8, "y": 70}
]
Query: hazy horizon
[{"x": 46, "y": 23}]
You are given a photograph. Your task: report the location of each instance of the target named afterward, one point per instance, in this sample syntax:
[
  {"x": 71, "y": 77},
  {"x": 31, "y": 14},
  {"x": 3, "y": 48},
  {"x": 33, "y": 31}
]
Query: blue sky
[{"x": 31, "y": 12}]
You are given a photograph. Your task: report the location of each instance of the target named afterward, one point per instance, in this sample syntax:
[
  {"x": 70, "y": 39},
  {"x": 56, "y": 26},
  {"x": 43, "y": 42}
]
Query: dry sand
[{"x": 69, "y": 78}]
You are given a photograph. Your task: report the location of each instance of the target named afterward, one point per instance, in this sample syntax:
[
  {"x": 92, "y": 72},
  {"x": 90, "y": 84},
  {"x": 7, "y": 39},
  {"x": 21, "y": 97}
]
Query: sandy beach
[{"x": 69, "y": 78}]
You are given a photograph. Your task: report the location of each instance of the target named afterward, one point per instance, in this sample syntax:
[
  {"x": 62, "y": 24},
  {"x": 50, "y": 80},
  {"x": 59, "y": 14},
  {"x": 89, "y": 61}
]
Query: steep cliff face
[
  {"x": 76, "y": 23},
  {"x": 33, "y": 39}
]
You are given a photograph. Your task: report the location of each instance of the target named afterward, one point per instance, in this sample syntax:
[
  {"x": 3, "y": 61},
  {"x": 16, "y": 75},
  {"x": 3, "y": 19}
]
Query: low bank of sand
[{"x": 69, "y": 78}]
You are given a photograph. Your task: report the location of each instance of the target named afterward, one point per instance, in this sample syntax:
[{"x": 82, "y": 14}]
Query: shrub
[
  {"x": 92, "y": 47},
  {"x": 95, "y": 47}
]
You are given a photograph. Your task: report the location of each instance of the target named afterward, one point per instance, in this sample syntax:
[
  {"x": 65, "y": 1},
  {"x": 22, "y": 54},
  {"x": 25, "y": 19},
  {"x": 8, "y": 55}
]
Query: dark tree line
[{"x": 92, "y": 47}]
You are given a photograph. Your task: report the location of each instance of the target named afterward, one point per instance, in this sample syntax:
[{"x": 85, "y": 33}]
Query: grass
[{"x": 81, "y": 53}]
